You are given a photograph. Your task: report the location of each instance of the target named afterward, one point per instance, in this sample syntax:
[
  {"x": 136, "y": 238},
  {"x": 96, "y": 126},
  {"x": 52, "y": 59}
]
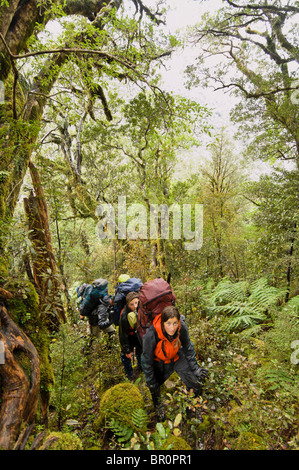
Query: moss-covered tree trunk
[
  {"x": 20, "y": 115},
  {"x": 20, "y": 387},
  {"x": 46, "y": 278},
  {"x": 20, "y": 118},
  {"x": 43, "y": 262}
]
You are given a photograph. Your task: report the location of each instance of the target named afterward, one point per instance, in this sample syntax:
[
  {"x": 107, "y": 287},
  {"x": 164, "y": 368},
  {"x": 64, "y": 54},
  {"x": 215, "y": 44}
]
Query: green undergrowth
[{"x": 249, "y": 401}]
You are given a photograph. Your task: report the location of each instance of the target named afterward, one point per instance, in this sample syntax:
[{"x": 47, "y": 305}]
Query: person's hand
[
  {"x": 201, "y": 373},
  {"x": 130, "y": 355}
]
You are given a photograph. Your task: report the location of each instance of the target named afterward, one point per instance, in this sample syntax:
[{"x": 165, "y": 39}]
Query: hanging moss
[
  {"x": 24, "y": 306},
  {"x": 118, "y": 403}
]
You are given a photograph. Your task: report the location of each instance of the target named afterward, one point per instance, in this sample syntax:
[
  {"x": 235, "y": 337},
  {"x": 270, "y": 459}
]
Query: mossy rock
[
  {"x": 65, "y": 441},
  {"x": 118, "y": 403},
  {"x": 175, "y": 443},
  {"x": 249, "y": 441}
]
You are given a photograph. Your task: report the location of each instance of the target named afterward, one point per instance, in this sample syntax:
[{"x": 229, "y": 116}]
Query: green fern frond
[
  {"x": 294, "y": 304},
  {"x": 243, "y": 321},
  {"x": 251, "y": 331},
  {"x": 228, "y": 291},
  {"x": 264, "y": 296},
  {"x": 124, "y": 432},
  {"x": 137, "y": 423},
  {"x": 278, "y": 379},
  {"x": 260, "y": 283},
  {"x": 245, "y": 304},
  {"x": 140, "y": 419},
  {"x": 229, "y": 309}
]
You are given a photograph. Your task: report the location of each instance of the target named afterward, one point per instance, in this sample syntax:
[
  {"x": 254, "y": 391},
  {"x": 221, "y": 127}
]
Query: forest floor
[{"x": 238, "y": 409}]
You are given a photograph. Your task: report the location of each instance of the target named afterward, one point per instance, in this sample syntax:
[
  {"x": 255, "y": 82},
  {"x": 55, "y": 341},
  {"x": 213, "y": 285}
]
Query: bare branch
[{"x": 265, "y": 7}]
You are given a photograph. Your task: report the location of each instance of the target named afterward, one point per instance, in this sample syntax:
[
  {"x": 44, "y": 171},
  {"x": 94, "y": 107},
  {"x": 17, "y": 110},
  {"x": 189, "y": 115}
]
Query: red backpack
[{"x": 154, "y": 295}]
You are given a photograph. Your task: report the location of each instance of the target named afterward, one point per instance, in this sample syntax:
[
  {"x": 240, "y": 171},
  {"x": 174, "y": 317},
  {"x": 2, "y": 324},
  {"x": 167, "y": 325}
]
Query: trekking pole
[{"x": 133, "y": 355}]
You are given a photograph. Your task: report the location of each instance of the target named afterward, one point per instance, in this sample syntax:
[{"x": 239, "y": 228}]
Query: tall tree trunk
[
  {"x": 20, "y": 116},
  {"x": 289, "y": 270},
  {"x": 217, "y": 240},
  {"x": 47, "y": 280},
  {"x": 44, "y": 269},
  {"x": 20, "y": 393}
]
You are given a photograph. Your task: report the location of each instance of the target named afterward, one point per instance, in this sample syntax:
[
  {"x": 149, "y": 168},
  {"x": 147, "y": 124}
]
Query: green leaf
[
  {"x": 177, "y": 420},
  {"x": 161, "y": 430}
]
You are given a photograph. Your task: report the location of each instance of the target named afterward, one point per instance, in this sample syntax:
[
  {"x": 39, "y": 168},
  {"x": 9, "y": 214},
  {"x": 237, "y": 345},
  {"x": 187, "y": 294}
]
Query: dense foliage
[{"x": 91, "y": 116}]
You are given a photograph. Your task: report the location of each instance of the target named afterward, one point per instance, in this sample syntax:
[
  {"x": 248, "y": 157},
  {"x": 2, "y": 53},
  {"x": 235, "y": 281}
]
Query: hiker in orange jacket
[{"x": 167, "y": 348}]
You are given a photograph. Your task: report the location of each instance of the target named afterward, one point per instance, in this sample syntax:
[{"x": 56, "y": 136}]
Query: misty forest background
[{"x": 86, "y": 116}]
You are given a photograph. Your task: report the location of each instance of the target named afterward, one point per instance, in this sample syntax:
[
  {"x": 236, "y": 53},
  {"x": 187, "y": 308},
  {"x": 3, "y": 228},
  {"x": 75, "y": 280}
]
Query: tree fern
[
  {"x": 244, "y": 304},
  {"x": 244, "y": 321},
  {"x": 228, "y": 291},
  {"x": 263, "y": 296}
]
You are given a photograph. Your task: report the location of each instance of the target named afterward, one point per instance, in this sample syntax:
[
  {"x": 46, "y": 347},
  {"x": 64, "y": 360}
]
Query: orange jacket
[{"x": 166, "y": 351}]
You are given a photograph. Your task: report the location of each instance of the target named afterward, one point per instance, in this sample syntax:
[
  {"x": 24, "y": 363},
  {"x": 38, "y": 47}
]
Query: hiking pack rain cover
[
  {"x": 122, "y": 290},
  {"x": 92, "y": 294},
  {"x": 154, "y": 296}
]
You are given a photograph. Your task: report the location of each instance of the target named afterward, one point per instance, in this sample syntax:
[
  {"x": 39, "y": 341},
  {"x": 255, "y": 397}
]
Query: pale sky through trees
[
  {"x": 184, "y": 14},
  {"x": 181, "y": 15}
]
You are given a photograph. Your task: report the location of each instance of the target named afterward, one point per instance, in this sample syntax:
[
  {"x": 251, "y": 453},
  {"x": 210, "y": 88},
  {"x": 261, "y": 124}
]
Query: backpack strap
[{"x": 148, "y": 315}]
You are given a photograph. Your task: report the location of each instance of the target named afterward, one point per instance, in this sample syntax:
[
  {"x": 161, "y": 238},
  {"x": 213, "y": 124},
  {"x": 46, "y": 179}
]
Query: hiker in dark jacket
[
  {"x": 128, "y": 334},
  {"x": 97, "y": 312},
  {"x": 167, "y": 348}
]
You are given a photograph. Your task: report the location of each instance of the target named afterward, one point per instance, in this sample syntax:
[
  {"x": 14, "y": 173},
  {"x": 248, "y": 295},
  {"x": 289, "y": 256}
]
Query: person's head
[
  {"x": 132, "y": 300},
  {"x": 170, "y": 320}
]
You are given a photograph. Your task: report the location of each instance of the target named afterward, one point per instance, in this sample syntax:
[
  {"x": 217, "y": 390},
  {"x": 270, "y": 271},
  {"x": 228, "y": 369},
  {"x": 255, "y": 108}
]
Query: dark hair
[{"x": 169, "y": 312}]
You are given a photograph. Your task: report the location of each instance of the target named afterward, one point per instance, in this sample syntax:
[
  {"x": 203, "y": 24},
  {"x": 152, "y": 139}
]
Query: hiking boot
[
  {"x": 130, "y": 376},
  {"x": 137, "y": 372},
  {"x": 160, "y": 414}
]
